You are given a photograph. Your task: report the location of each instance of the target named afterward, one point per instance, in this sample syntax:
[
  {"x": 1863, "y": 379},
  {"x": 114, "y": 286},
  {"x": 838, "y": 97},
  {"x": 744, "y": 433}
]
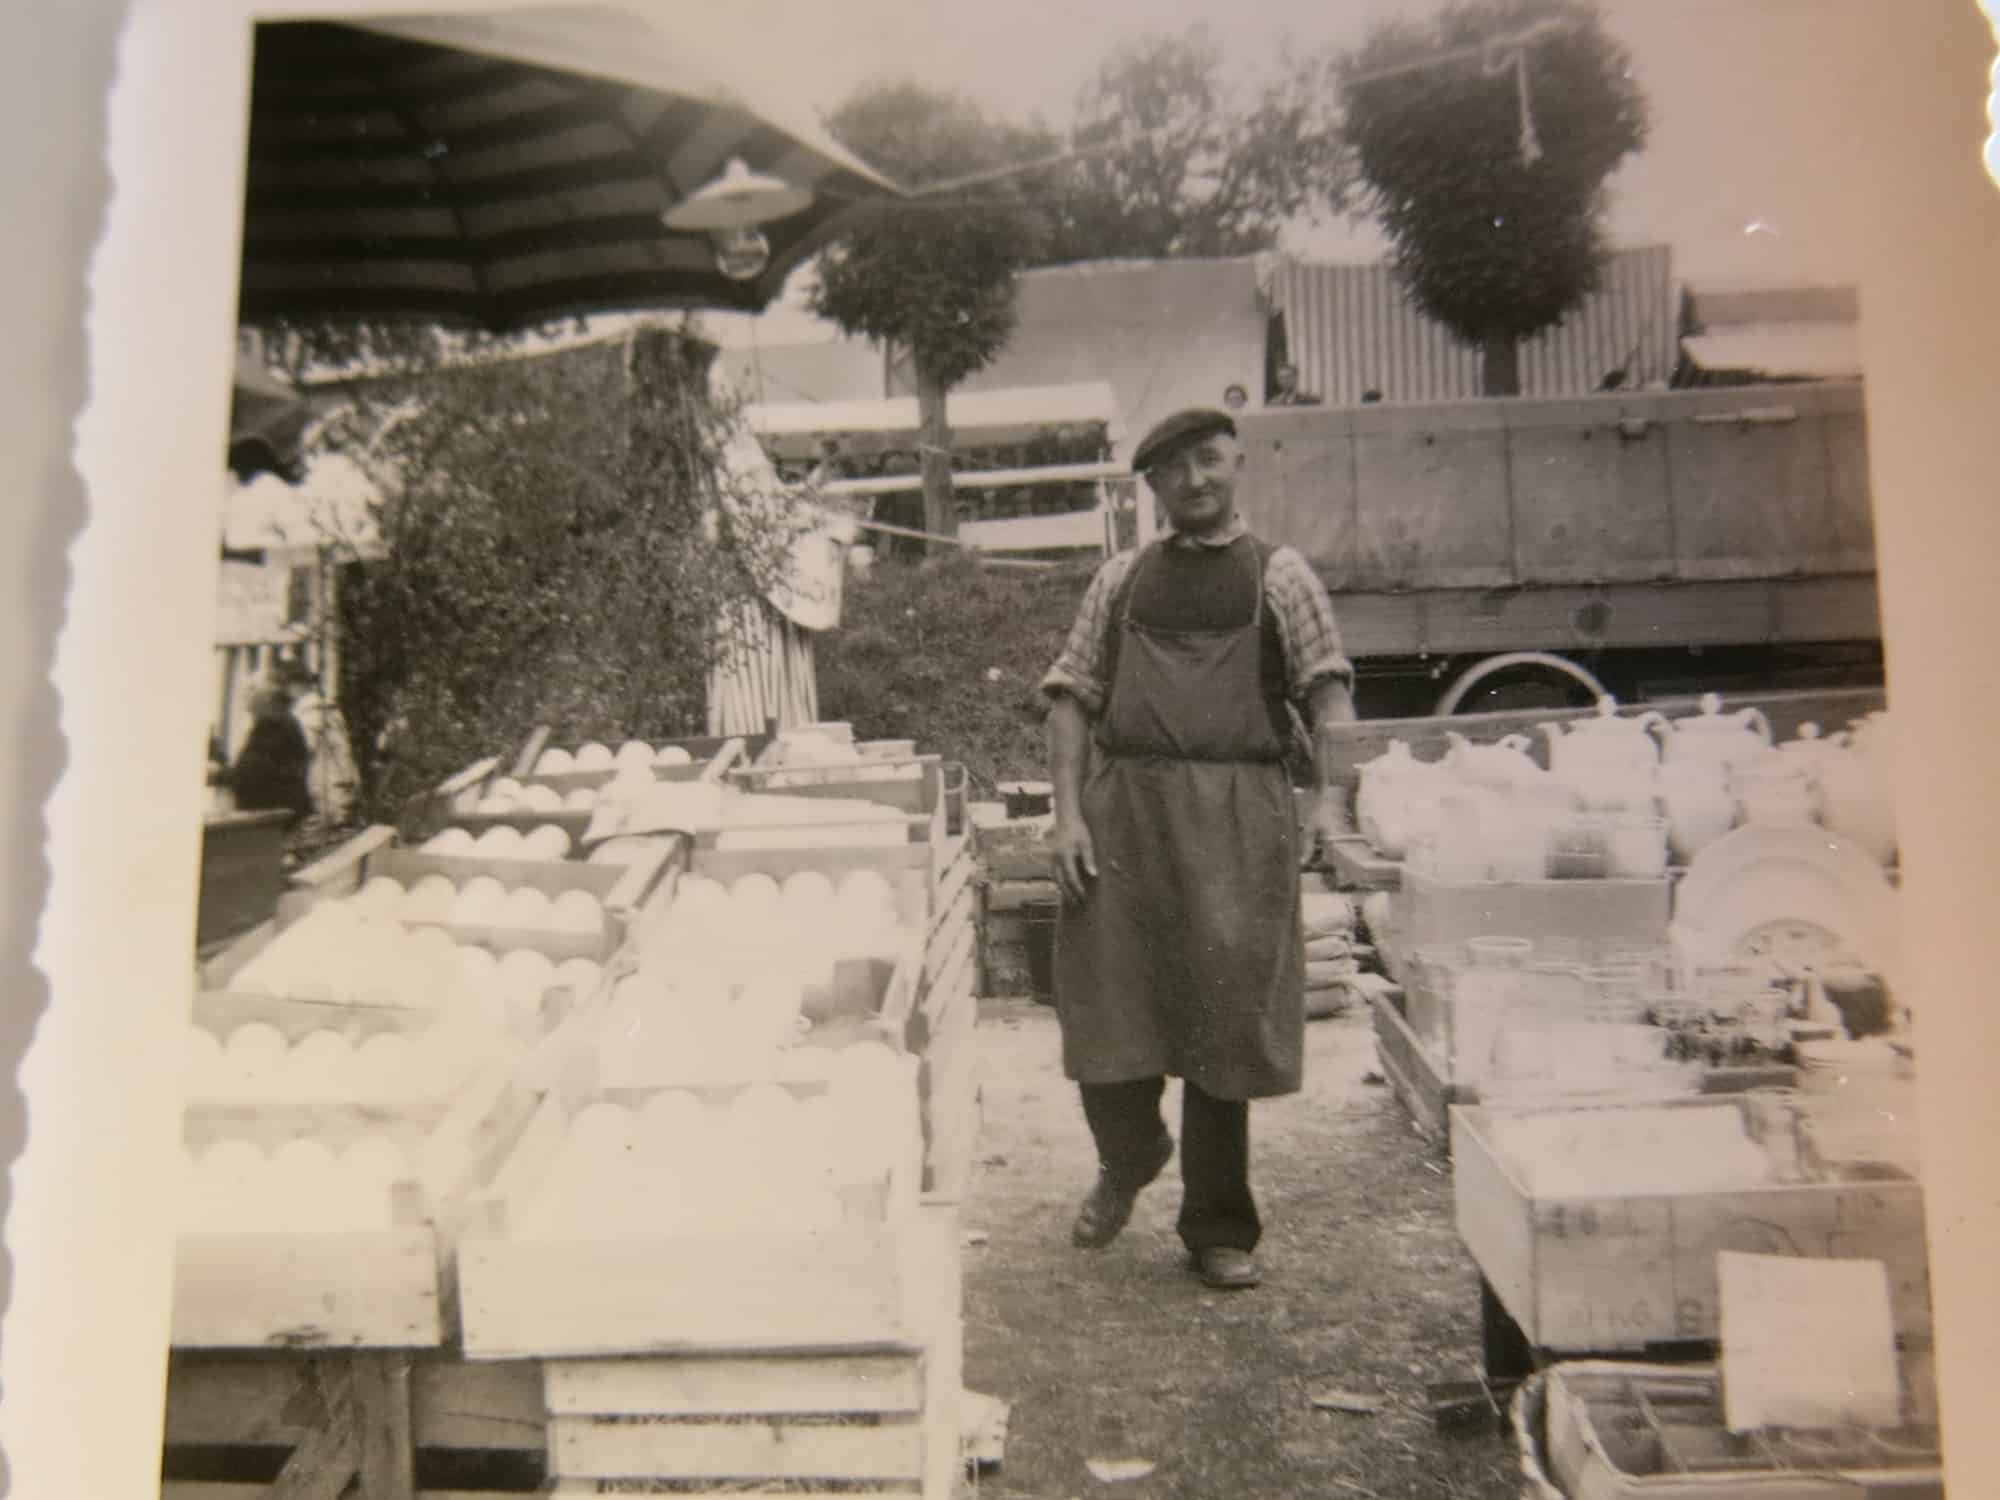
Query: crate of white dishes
[
  {"x": 345, "y": 1092},
  {"x": 503, "y": 891},
  {"x": 767, "y": 1216},
  {"x": 766, "y": 965},
  {"x": 565, "y": 787}
]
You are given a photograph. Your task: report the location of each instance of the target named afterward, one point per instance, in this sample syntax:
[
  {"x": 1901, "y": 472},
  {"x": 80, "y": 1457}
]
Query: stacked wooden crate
[
  {"x": 804, "y": 1360},
  {"x": 1018, "y": 903}
]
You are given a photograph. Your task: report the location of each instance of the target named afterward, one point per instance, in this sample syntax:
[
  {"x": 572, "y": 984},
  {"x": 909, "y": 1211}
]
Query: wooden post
[
  {"x": 321, "y": 1466},
  {"x": 387, "y": 1458},
  {"x": 934, "y": 440}
]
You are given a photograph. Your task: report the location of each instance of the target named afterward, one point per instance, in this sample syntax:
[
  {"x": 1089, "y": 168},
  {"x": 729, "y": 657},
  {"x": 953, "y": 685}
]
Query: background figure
[
  {"x": 1288, "y": 392},
  {"x": 270, "y": 770},
  {"x": 1235, "y": 397}
]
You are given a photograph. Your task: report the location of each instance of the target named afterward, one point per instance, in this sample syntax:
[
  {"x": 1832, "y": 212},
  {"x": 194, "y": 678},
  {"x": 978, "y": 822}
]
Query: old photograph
[{"x": 744, "y": 944}]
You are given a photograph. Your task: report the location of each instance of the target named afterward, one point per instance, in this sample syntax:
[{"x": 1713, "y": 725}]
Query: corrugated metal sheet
[{"x": 1352, "y": 329}]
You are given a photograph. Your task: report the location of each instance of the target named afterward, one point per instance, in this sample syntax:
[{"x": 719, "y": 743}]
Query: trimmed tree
[
  {"x": 935, "y": 275},
  {"x": 1484, "y": 139},
  {"x": 1183, "y": 164}
]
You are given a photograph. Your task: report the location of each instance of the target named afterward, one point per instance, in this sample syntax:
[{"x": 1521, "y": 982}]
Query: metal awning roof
[{"x": 792, "y": 429}]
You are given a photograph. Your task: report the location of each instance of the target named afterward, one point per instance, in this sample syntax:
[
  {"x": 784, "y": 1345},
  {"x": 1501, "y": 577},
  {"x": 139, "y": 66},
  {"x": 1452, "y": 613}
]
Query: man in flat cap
[{"x": 1179, "y": 950}]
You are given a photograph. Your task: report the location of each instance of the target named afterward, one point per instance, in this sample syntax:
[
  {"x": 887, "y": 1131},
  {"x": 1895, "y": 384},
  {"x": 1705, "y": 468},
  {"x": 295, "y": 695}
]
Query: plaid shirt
[{"x": 1293, "y": 594}]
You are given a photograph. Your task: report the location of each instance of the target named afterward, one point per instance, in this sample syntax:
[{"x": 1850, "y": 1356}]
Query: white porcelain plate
[{"x": 1792, "y": 892}]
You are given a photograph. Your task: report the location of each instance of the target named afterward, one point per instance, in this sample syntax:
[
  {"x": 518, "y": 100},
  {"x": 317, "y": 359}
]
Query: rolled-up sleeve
[
  {"x": 1079, "y": 670},
  {"x": 1311, "y": 635}
]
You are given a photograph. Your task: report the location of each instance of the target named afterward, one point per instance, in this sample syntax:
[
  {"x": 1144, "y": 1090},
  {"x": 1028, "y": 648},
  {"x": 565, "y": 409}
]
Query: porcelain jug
[
  {"x": 1501, "y": 765},
  {"x": 1856, "y": 797},
  {"x": 1727, "y": 740},
  {"x": 1699, "y": 806},
  {"x": 1603, "y": 742},
  {"x": 1397, "y": 800},
  {"x": 1774, "y": 788}
]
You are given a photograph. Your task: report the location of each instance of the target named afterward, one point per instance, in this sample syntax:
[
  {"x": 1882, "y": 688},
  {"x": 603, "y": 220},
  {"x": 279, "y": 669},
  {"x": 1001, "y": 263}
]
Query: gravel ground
[{"x": 1122, "y": 1354}]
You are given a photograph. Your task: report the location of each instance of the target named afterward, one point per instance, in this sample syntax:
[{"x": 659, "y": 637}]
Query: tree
[
  {"x": 934, "y": 275},
  {"x": 552, "y": 549},
  {"x": 1194, "y": 167},
  {"x": 1484, "y": 139}
]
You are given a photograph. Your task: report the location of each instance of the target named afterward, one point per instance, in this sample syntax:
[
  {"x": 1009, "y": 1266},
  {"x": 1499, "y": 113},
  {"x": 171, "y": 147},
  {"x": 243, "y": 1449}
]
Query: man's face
[
  {"x": 1288, "y": 377},
  {"x": 1198, "y": 484}
]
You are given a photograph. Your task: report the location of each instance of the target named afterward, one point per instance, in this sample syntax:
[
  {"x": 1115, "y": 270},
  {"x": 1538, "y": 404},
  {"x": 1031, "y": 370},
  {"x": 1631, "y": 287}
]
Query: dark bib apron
[{"x": 1186, "y": 958}]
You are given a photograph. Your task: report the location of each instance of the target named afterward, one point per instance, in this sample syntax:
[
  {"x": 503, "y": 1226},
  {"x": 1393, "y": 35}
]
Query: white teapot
[
  {"x": 1604, "y": 742},
  {"x": 1855, "y": 792},
  {"x": 1699, "y": 805},
  {"x": 1717, "y": 738},
  {"x": 1500, "y": 766},
  {"x": 1397, "y": 799}
]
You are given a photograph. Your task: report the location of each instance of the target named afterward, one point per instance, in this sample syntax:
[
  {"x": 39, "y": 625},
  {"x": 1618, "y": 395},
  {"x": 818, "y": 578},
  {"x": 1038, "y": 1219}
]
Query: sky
[{"x": 1743, "y": 174}]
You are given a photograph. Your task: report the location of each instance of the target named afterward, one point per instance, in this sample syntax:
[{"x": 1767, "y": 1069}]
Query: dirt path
[{"x": 1121, "y": 1353}]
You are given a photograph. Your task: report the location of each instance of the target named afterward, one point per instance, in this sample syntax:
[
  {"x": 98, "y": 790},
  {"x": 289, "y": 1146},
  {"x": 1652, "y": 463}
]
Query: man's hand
[
  {"x": 1330, "y": 821},
  {"x": 1075, "y": 858}
]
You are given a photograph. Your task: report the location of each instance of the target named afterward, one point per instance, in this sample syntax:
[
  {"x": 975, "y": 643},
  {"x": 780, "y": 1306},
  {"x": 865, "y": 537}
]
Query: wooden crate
[
  {"x": 1420, "y": 1077},
  {"x": 907, "y": 867},
  {"x": 921, "y": 796},
  {"x": 797, "y": 1422},
  {"x": 1614, "y": 1431},
  {"x": 456, "y": 801},
  {"x": 622, "y": 888},
  {"x": 386, "y": 1288},
  {"x": 1431, "y": 911},
  {"x": 1016, "y": 937},
  {"x": 316, "y": 1418},
  {"x": 750, "y": 1291},
  {"x": 702, "y": 747},
  {"x": 1358, "y": 867},
  {"x": 1622, "y": 1271},
  {"x": 1415, "y": 1074}
]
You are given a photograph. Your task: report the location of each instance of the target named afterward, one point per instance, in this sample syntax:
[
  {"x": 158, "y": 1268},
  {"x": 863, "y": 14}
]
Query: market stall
[
  {"x": 515, "y": 1138},
  {"x": 1646, "y": 996}
]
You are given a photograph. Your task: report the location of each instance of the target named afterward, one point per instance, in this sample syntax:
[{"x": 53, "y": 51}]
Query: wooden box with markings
[{"x": 1613, "y": 1271}]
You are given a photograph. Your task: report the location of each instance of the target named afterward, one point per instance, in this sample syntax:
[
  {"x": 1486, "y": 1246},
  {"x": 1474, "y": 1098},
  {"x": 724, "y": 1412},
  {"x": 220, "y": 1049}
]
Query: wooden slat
[
  {"x": 257, "y": 1400},
  {"x": 720, "y": 1292},
  {"x": 1412, "y": 1074},
  {"x": 1487, "y": 1203},
  {"x": 248, "y": 1291},
  {"x": 580, "y": 1447},
  {"x": 958, "y": 867},
  {"x": 381, "y": 1386},
  {"x": 773, "y": 1385},
  {"x": 531, "y": 751},
  {"x": 1359, "y": 866},
  {"x": 950, "y": 1080},
  {"x": 950, "y": 932},
  {"x": 325, "y": 1460}
]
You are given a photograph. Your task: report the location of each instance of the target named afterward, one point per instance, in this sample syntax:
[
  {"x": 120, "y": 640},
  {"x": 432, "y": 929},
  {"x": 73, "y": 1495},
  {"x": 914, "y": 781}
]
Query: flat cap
[{"x": 1180, "y": 431}]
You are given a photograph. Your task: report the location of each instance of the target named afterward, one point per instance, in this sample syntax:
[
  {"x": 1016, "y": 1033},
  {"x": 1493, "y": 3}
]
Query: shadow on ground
[{"x": 1121, "y": 1353}]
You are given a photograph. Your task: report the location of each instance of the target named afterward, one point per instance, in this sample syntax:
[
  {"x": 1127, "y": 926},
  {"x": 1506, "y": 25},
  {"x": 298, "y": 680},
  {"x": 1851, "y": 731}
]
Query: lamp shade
[{"x": 738, "y": 199}]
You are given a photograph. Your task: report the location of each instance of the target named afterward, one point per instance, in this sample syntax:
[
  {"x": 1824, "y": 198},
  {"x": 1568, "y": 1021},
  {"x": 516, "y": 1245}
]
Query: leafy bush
[
  {"x": 917, "y": 648},
  {"x": 552, "y": 552}
]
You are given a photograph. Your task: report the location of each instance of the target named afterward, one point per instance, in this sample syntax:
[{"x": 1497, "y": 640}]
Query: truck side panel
[
  {"x": 1590, "y": 498},
  {"x": 1431, "y": 497},
  {"x": 1761, "y": 482}
]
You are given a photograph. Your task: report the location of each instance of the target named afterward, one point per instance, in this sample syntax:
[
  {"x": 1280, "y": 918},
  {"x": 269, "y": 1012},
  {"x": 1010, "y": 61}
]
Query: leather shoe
[
  {"x": 1108, "y": 1207},
  {"x": 1227, "y": 1269}
]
